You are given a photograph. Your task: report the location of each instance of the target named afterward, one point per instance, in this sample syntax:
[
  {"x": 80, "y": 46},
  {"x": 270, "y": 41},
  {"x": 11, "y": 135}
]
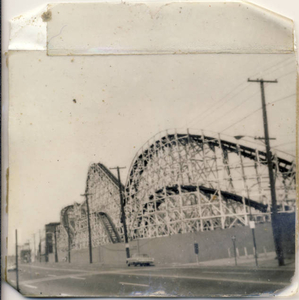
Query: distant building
[{"x": 50, "y": 239}]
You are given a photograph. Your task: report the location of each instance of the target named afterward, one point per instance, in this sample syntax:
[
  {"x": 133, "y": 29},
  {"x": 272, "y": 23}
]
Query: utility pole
[
  {"x": 34, "y": 254},
  {"x": 40, "y": 247},
  {"x": 47, "y": 247},
  {"x": 275, "y": 226},
  {"x": 29, "y": 258},
  {"x": 55, "y": 238},
  {"x": 17, "y": 263},
  {"x": 65, "y": 216},
  {"x": 252, "y": 226},
  {"x": 123, "y": 216},
  {"x": 69, "y": 243},
  {"x": 88, "y": 225},
  {"x": 234, "y": 246}
]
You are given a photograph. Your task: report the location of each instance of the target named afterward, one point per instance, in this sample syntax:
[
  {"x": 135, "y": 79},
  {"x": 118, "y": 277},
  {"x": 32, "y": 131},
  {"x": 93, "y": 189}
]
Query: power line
[
  {"x": 224, "y": 102},
  {"x": 256, "y": 111},
  {"x": 284, "y": 144},
  {"x": 285, "y": 152},
  {"x": 218, "y": 119},
  {"x": 279, "y": 63},
  {"x": 241, "y": 120},
  {"x": 236, "y": 87},
  {"x": 267, "y": 73},
  {"x": 281, "y": 99},
  {"x": 284, "y": 75},
  {"x": 202, "y": 113},
  {"x": 285, "y": 134},
  {"x": 256, "y": 143}
]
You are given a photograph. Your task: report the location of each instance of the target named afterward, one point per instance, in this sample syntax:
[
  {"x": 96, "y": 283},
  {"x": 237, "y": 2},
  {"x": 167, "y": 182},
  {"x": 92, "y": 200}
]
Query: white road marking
[
  {"x": 54, "y": 269},
  {"x": 30, "y": 286},
  {"x": 87, "y": 273},
  {"x": 242, "y": 267},
  {"x": 80, "y": 278},
  {"x": 130, "y": 283},
  {"x": 225, "y": 273},
  {"x": 161, "y": 268},
  {"x": 64, "y": 295},
  {"x": 52, "y": 275},
  {"x": 206, "y": 278},
  {"x": 138, "y": 273}
]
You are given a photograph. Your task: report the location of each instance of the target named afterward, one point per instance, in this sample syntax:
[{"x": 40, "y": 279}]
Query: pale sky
[{"x": 121, "y": 102}]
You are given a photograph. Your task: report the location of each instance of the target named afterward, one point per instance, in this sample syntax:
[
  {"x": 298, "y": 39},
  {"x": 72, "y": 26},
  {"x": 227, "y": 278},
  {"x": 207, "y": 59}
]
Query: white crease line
[
  {"x": 30, "y": 286},
  {"x": 138, "y": 284},
  {"x": 80, "y": 278},
  {"x": 64, "y": 295},
  {"x": 52, "y": 275}
]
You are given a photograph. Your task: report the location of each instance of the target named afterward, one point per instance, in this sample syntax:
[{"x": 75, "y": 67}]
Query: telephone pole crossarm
[{"x": 262, "y": 80}]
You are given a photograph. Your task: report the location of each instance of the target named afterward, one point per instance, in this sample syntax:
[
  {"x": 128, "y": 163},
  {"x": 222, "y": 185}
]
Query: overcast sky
[{"x": 122, "y": 101}]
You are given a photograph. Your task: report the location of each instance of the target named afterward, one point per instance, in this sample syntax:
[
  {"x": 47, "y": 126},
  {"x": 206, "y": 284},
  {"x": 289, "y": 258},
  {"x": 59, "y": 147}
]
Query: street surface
[{"x": 193, "y": 281}]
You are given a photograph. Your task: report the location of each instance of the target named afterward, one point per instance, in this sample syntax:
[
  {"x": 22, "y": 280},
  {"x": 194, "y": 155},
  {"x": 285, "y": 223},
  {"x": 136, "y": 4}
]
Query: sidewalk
[
  {"x": 268, "y": 261},
  {"x": 72, "y": 266}
]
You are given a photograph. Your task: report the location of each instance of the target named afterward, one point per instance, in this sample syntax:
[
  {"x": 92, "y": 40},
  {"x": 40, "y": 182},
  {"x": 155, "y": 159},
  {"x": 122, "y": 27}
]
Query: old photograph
[{"x": 147, "y": 160}]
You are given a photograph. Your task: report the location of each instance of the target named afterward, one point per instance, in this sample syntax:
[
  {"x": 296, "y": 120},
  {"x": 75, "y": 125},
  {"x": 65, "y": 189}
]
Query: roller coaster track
[
  {"x": 208, "y": 191},
  {"x": 109, "y": 174},
  {"x": 181, "y": 182},
  {"x": 283, "y": 165},
  {"x": 66, "y": 222},
  {"x": 109, "y": 227}
]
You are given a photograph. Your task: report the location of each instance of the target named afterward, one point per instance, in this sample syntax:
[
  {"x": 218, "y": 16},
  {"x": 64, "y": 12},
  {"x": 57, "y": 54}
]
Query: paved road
[{"x": 176, "y": 281}]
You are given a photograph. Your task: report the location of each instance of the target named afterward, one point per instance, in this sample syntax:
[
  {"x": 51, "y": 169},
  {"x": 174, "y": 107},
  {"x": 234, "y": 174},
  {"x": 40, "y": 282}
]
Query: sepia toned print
[{"x": 157, "y": 174}]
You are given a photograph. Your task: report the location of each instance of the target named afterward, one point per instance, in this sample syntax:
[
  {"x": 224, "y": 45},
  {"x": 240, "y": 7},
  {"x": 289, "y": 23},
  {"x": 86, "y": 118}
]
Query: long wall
[
  {"x": 180, "y": 248},
  {"x": 287, "y": 221}
]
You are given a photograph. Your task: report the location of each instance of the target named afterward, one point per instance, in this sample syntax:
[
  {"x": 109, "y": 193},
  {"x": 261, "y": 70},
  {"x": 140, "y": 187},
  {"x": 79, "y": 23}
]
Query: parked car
[
  {"x": 11, "y": 267},
  {"x": 140, "y": 259}
]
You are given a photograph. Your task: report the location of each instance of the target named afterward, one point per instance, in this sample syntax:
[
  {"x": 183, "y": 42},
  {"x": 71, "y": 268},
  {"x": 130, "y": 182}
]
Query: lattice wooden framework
[
  {"x": 183, "y": 182},
  {"x": 103, "y": 197},
  {"x": 178, "y": 183}
]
